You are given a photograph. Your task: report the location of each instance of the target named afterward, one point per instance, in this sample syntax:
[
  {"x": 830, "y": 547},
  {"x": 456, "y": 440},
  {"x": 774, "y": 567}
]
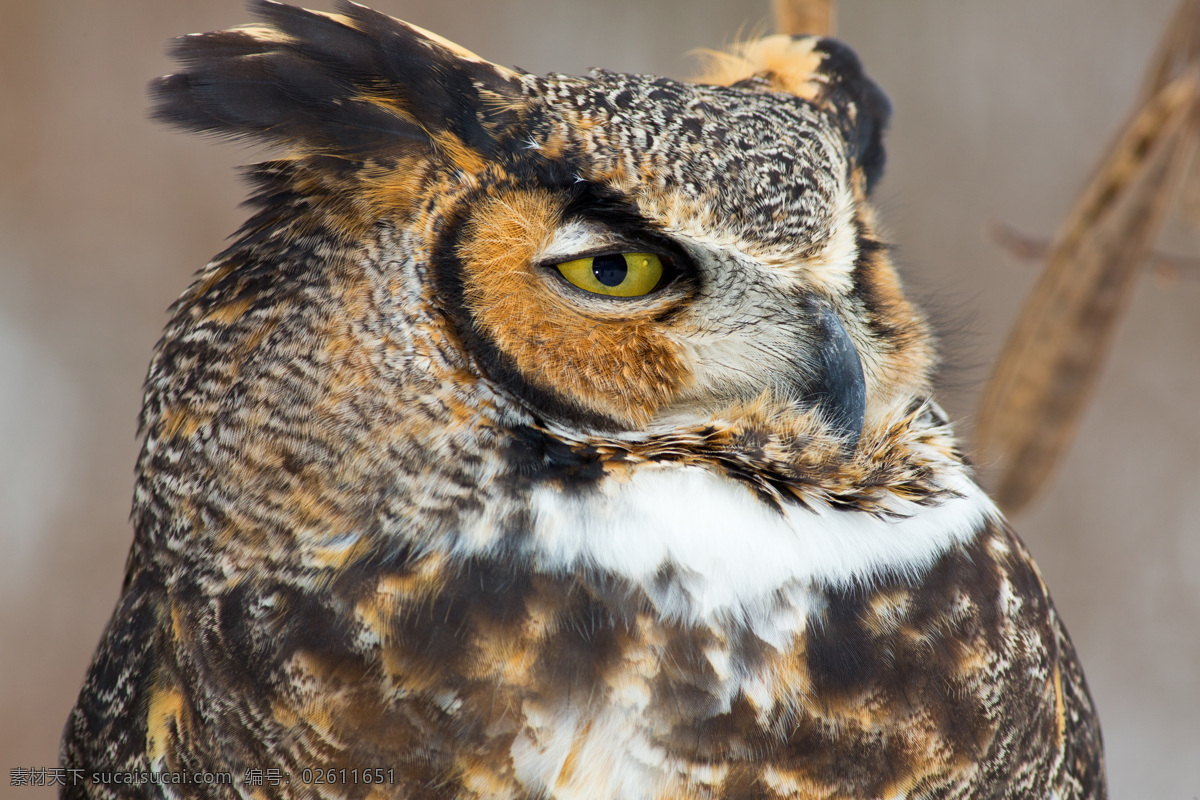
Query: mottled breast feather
[{"x": 419, "y": 514}]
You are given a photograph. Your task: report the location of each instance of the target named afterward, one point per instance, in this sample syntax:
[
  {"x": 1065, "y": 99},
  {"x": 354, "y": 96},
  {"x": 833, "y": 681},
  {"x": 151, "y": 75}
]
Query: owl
[{"x": 560, "y": 437}]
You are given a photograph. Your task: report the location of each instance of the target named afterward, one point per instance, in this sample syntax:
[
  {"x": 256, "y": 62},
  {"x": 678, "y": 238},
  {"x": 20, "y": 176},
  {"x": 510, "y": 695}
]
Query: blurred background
[{"x": 1001, "y": 111}]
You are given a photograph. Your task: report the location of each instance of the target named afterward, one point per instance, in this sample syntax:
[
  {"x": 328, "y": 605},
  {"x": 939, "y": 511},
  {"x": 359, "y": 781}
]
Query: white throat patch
[{"x": 727, "y": 554}]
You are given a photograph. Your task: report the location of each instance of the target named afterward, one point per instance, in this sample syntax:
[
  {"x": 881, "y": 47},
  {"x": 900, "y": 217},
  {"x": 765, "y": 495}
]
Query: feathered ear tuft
[
  {"x": 355, "y": 84},
  {"x": 861, "y": 107},
  {"x": 823, "y": 71}
]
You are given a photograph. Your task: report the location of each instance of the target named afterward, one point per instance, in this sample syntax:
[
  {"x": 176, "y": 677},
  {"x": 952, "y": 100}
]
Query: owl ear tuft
[
  {"x": 354, "y": 84},
  {"x": 860, "y": 107},
  {"x": 823, "y": 71}
]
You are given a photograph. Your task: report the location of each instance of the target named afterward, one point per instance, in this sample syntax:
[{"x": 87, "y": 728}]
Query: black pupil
[{"x": 610, "y": 270}]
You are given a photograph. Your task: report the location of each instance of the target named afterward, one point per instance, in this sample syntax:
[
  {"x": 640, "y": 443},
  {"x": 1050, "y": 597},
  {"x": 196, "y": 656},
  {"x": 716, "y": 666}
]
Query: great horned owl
[{"x": 560, "y": 437}]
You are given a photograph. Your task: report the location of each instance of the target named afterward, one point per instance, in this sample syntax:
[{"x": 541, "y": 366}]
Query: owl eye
[{"x": 615, "y": 275}]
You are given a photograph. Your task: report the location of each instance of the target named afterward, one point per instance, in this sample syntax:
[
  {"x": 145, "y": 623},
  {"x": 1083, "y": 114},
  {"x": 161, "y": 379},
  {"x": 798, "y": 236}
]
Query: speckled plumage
[{"x": 410, "y": 501}]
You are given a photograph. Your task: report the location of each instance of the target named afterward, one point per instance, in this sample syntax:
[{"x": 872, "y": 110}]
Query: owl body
[{"x": 558, "y": 437}]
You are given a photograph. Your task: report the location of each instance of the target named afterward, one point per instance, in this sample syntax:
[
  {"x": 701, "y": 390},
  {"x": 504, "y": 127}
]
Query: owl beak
[{"x": 837, "y": 388}]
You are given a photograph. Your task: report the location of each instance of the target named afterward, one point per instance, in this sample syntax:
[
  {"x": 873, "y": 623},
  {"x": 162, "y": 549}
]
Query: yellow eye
[{"x": 616, "y": 275}]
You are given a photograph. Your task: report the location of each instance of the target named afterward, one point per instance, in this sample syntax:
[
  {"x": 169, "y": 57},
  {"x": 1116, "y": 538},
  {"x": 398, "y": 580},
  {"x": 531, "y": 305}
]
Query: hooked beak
[{"x": 837, "y": 387}]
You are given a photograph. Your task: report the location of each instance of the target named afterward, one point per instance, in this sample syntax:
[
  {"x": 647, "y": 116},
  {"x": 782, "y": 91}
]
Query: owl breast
[
  {"x": 732, "y": 642},
  {"x": 727, "y": 590}
]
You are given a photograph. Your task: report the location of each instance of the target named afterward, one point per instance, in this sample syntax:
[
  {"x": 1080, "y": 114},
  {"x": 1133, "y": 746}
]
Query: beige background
[{"x": 1001, "y": 110}]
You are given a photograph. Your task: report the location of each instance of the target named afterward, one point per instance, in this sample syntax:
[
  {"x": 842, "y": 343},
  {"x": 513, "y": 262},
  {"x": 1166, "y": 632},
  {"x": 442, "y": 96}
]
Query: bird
[{"x": 549, "y": 436}]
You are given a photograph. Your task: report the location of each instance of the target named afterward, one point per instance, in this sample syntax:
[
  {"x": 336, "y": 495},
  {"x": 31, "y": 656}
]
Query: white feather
[
  {"x": 613, "y": 757},
  {"x": 731, "y": 553}
]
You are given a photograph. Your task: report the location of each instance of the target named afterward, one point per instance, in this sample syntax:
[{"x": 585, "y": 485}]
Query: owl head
[{"x": 444, "y": 244}]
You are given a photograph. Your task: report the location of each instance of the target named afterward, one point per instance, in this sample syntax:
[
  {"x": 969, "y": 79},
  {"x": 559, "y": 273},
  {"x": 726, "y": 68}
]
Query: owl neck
[{"x": 706, "y": 538}]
